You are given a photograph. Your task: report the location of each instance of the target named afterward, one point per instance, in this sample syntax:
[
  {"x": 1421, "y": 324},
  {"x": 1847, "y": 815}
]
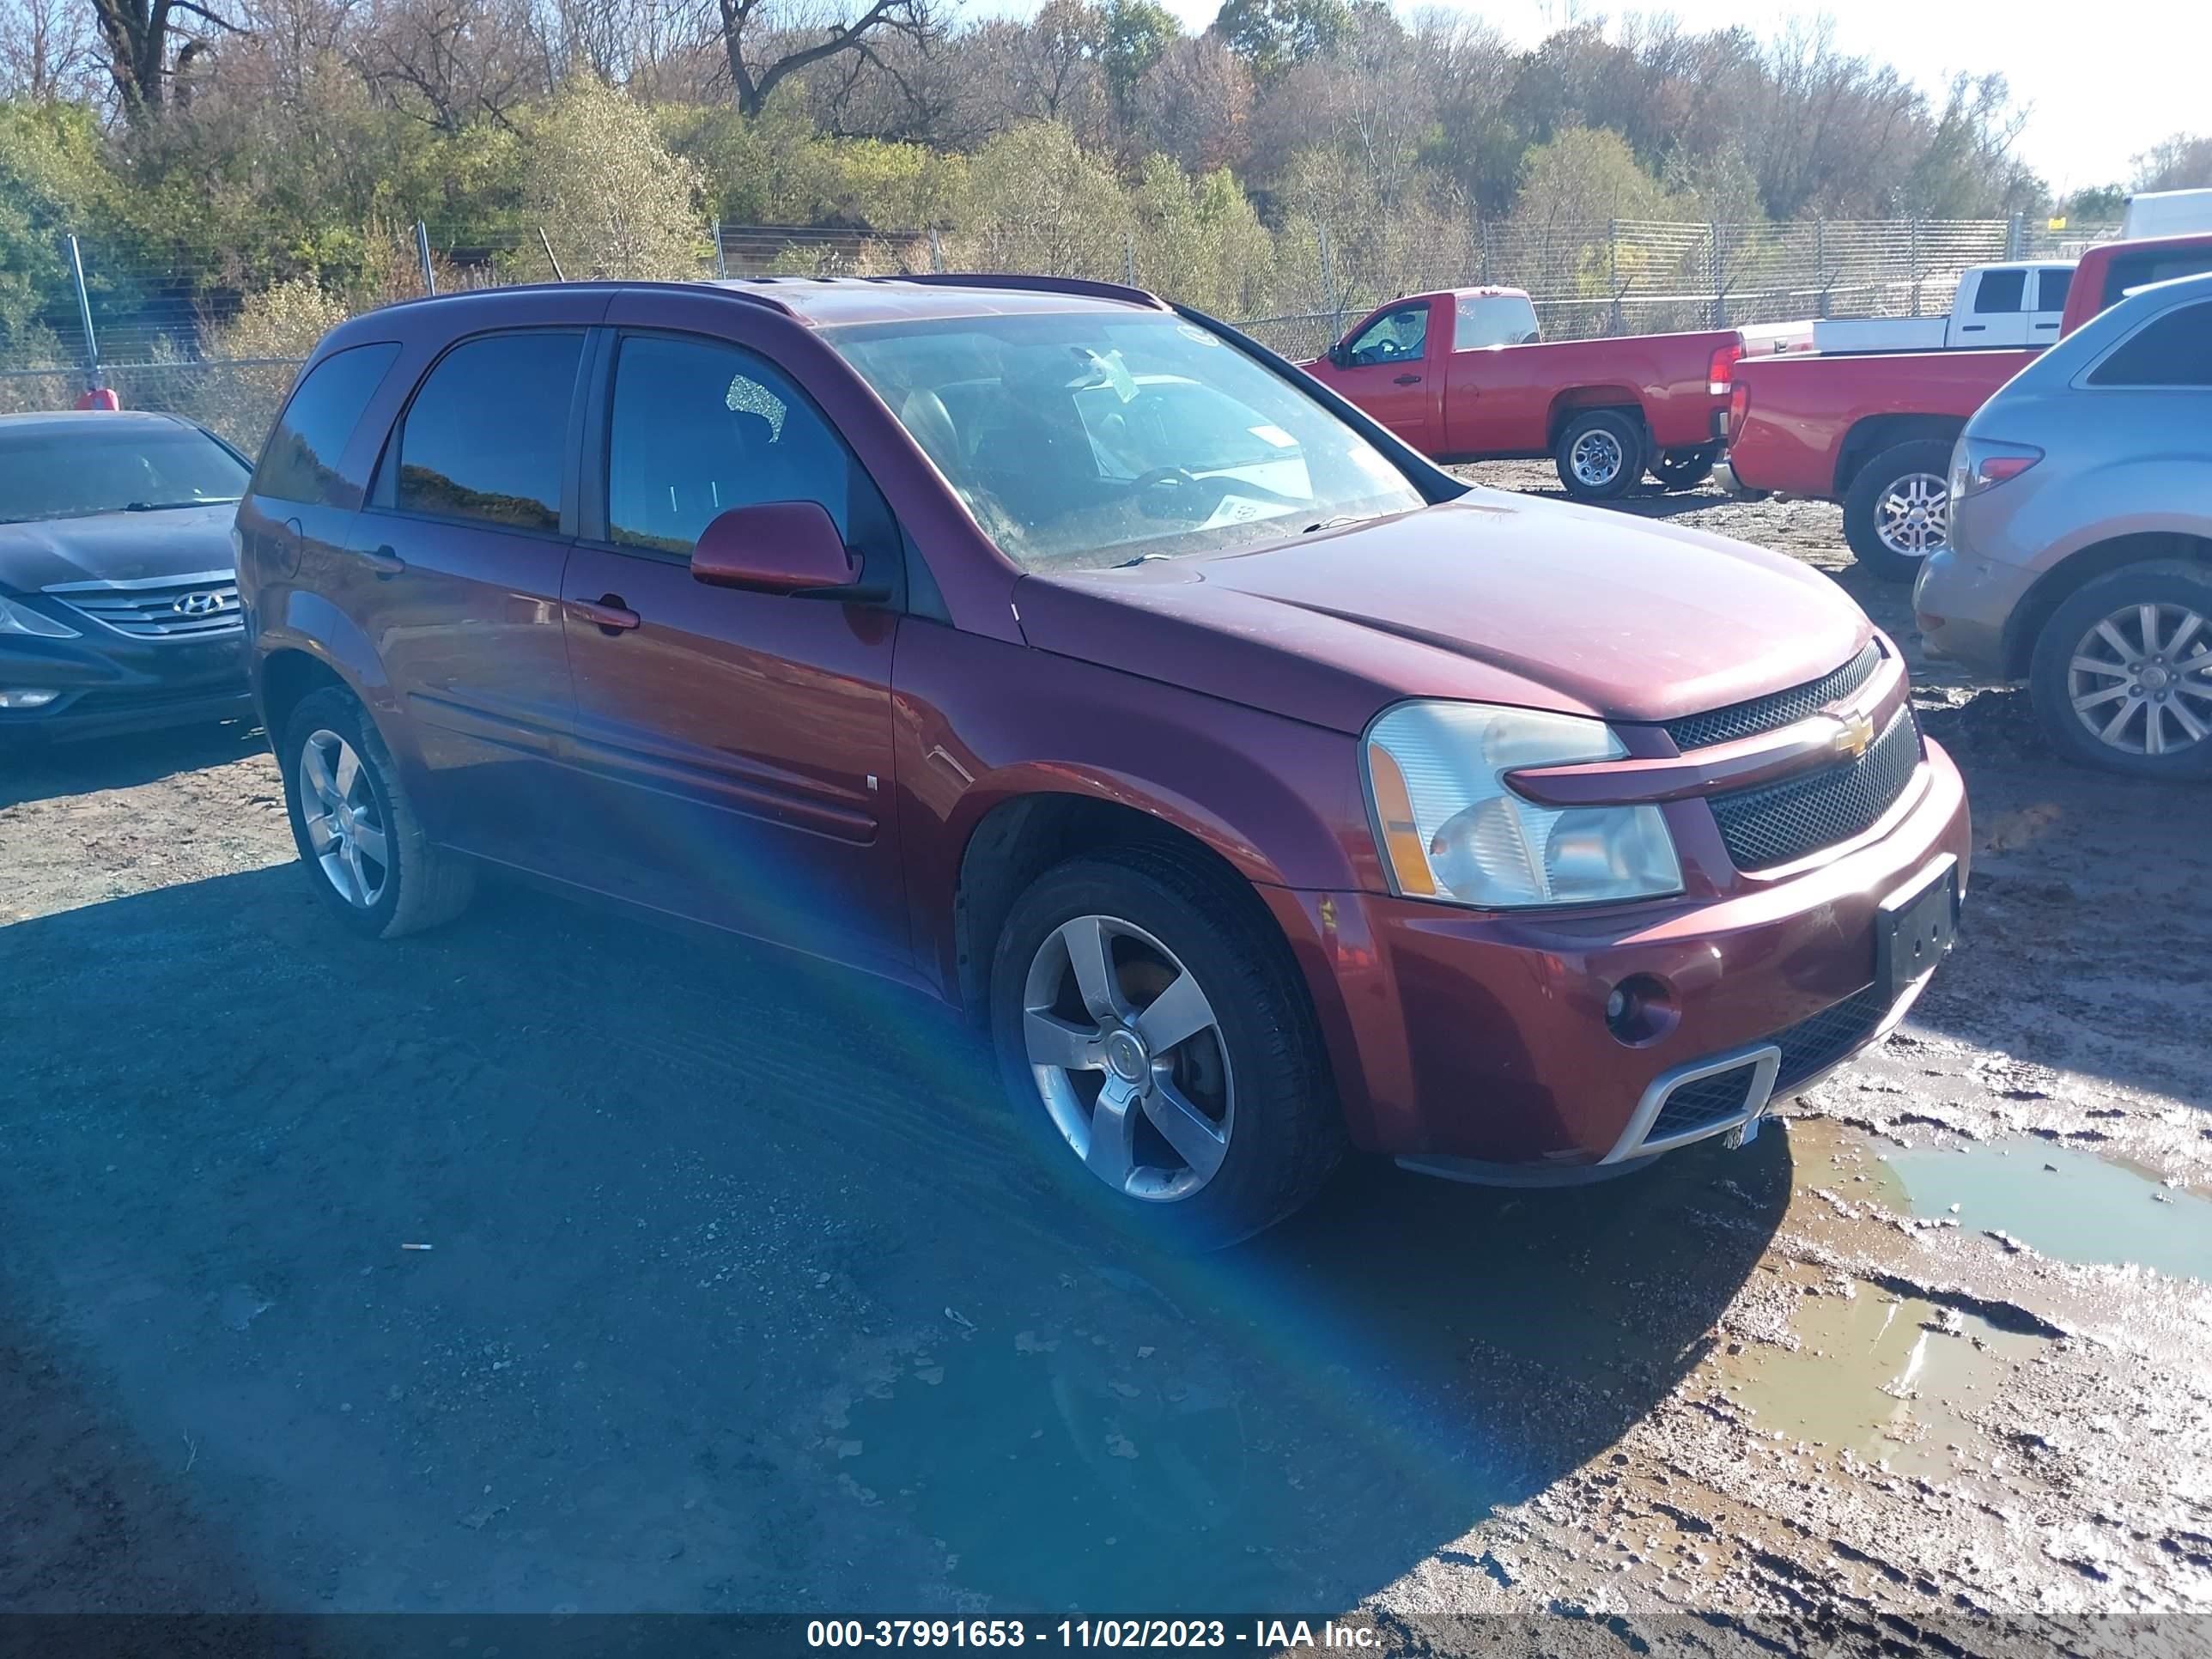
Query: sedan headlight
[
  {"x": 22, "y": 619},
  {"x": 1450, "y": 828}
]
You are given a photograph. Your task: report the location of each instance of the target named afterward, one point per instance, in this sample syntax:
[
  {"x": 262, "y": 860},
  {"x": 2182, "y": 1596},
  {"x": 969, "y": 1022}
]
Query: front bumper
[
  {"x": 110, "y": 685},
  {"x": 1460, "y": 1036}
]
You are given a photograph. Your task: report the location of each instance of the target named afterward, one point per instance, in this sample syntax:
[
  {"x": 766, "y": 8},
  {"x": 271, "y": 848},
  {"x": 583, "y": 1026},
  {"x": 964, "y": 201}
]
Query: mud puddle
[
  {"x": 1892, "y": 1380},
  {"x": 2062, "y": 1203}
]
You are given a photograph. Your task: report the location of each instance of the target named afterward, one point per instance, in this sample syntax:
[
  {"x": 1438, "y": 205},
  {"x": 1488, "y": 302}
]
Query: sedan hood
[
  {"x": 1490, "y": 599},
  {"x": 182, "y": 541}
]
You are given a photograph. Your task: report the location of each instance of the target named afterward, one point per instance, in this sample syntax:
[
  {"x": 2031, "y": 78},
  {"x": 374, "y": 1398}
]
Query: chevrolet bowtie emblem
[{"x": 1856, "y": 733}]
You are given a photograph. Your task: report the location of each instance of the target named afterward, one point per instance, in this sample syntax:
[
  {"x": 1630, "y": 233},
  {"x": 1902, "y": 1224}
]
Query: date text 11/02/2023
[{"x": 1261, "y": 1635}]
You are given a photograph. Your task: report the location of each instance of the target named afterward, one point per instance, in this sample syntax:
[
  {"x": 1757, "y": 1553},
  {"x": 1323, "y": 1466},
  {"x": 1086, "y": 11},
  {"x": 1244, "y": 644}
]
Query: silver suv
[{"x": 2081, "y": 550}]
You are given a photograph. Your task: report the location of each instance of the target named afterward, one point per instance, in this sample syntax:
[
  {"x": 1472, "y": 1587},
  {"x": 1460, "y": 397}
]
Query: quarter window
[
  {"x": 486, "y": 432},
  {"x": 300, "y": 460},
  {"x": 698, "y": 427},
  {"x": 2174, "y": 349}
]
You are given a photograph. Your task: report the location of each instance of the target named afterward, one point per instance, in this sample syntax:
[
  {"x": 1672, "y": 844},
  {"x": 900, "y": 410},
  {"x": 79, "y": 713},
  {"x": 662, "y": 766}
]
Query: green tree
[
  {"x": 612, "y": 200},
  {"x": 1273, "y": 35},
  {"x": 1137, "y": 31}
]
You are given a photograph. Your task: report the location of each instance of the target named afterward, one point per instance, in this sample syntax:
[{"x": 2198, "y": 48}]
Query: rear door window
[
  {"x": 301, "y": 461},
  {"x": 486, "y": 437},
  {"x": 2052, "y": 290},
  {"x": 2171, "y": 350}
]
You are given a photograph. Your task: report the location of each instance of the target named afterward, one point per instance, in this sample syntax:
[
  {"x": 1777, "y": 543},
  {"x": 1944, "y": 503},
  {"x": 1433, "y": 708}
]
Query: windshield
[
  {"x": 1087, "y": 439},
  {"x": 86, "y": 469}
]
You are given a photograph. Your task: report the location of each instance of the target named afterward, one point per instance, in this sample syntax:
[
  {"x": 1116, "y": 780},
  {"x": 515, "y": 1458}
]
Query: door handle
[
  {"x": 608, "y": 612},
  {"x": 1972, "y": 328},
  {"x": 384, "y": 562},
  {"x": 1407, "y": 379}
]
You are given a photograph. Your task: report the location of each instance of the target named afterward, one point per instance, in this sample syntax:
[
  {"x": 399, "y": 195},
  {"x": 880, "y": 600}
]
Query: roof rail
[{"x": 1122, "y": 291}]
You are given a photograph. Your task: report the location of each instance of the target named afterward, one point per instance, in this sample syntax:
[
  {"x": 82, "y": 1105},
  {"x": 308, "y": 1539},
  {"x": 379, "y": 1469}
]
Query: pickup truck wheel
[
  {"x": 1686, "y": 469},
  {"x": 1898, "y": 510},
  {"x": 1158, "y": 1045},
  {"x": 2122, "y": 672},
  {"x": 1599, "y": 455}
]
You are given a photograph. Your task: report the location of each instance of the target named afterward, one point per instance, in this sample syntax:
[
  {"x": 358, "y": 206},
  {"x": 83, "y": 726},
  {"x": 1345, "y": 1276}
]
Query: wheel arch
[
  {"x": 287, "y": 677},
  {"x": 1579, "y": 400},
  {"x": 2078, "y": 570},
  {"x": 1871, "y": 436},
  {"x": 1022, "y": 834}
]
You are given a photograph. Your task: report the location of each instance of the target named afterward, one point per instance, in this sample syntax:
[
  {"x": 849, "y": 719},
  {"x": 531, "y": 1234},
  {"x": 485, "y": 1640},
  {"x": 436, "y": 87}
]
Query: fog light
[
  {"x": 1640, "y": 1010},
  {"x": 28, "y": 696}
]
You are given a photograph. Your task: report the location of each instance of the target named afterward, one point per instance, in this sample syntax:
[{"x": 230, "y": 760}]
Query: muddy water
[
  {"x": 2063, "y": 1203},
  {"x": 1890, "y": 1379}
]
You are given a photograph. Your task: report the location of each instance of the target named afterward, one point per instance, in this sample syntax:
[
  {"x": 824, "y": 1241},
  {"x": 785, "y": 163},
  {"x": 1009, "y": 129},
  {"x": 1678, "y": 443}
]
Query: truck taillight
[
  {"x": 1720, "y": 373},
  {"x": 1739, "y": 406}
]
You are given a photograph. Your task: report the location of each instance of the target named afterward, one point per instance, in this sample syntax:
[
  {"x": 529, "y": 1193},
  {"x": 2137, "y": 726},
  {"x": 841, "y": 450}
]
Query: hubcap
[
  {"x": 1128, "y": 1058},
  {"x": 345, "y": 828},
  {"x": 2142, "y": 680},
  {"x": 1596, "y": 459},
  {"x": 1914, "y": 518}
]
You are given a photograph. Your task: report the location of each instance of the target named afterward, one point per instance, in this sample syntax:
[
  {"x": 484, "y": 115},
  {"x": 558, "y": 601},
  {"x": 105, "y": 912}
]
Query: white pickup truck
[{"x": 2015, "y": 304}]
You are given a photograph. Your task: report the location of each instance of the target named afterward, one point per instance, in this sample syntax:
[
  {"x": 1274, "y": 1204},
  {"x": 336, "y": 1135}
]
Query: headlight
[
  {"x": 22, "y": 619},
  {"x": 1449, "y": 828}
]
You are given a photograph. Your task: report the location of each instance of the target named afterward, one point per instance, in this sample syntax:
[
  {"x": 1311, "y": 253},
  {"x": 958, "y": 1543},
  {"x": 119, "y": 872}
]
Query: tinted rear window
[
  {"x": 2139, "y": 270},
  {"x": 302, "y": 458},
  {"x": 488, "y": 433},
  {"x": 2175, "y": 349}
]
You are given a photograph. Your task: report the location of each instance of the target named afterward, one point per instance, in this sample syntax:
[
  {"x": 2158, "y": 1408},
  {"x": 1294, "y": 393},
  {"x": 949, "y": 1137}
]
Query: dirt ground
[{"x": 732, "y": 1292}]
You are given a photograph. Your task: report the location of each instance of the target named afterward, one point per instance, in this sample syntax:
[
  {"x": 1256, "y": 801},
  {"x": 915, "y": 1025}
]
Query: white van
[{"x": 2167, "y": 213}]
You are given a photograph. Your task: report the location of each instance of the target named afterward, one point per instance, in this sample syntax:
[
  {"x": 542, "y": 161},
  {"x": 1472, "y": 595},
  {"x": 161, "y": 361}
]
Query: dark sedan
[{"x": 118, "y": 590}]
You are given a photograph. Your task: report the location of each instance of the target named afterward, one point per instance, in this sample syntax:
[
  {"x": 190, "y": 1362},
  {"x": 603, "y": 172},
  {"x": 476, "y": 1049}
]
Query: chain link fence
[{"x": 186, "y": 337}]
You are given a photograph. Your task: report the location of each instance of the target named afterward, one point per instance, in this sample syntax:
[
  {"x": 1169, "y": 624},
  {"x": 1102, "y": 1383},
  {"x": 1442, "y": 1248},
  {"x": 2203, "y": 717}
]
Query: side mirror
[
  {"x": 775, "y": 547},
  {"x": 1341, "y": 354}
]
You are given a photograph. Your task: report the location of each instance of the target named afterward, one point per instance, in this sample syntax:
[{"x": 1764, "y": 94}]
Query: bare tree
[
  {"x": 451, "y": 62},
  {"x": 137, "y": 35},
  {"x": 2181, "y": 162},
  {"x": 1194, "y": 104},
  {"x": 46, "y": 51},
  {"x": 765, "y": 42}
]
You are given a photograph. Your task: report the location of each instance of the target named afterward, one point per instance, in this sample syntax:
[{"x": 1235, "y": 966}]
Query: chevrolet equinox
[{"x": 1262, "y": 788}]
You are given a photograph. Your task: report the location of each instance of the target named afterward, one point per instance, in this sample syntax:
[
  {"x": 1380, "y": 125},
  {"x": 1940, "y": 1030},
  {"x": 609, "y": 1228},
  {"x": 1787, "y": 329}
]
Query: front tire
[
  {"x": 1898, "y": 510},
  {"x": 1599, "y": 455},
  {"x": 1157, "y": 1046},
  {"x": 360, "y": 840},
  {"x": 2122, "y": 672}
]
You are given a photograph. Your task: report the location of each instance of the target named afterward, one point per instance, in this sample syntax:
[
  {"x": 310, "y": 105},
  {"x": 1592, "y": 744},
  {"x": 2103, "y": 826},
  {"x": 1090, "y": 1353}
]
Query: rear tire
[
  {"x": 1685, "y": 469},
  {"x": 1111, "y": 1124},
  {"x": 1898, "y": 510},
  {"x": 1599, "y": 455},
  {"x": 2071, "y": 688},
  {"x": 360, "y": 840}
]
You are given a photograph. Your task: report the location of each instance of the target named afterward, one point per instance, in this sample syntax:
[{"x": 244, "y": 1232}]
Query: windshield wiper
[
  {"x": 1337, "y": 522},
  {"x": 164, "y": 507},
  {"x": 1141, "y": 558}
]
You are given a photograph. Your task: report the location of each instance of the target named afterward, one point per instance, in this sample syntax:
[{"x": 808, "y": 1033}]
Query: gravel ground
[{"x": 737, "y": 1297}]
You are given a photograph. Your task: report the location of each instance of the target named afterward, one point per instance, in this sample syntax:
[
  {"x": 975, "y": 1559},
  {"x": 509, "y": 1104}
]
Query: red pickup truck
[
  {"x": 1874, "y": 432},
  {"x": 1462, "y": 376}
]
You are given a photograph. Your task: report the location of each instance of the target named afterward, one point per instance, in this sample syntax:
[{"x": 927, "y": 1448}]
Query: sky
[{"x": 2103, "y": 86}]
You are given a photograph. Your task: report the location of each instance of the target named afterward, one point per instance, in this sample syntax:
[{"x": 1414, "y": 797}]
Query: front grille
[
  {"x": 1775, "y": 823},
  {"x": 1773, "y": 712},
  {"x": 1811, "y": 1046},
  {"x": 169, "y": 608},
  {"x": 1704, "y": 1101}
]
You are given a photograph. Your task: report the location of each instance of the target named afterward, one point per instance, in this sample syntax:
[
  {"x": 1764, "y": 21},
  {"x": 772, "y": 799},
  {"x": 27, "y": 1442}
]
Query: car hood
[
  {"x": 1490, "y": 599},
  {"x": 113, "y": 547}
]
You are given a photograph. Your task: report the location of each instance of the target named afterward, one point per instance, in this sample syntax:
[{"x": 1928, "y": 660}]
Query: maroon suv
[{"x": 1265, "y": 788}]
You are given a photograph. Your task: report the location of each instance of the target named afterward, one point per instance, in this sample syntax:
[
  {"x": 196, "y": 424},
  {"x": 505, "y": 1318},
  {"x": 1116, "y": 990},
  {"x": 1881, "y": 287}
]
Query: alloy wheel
[
  {"x": 346, "y": 830},
  {"x": 1129, "y": 1058},
  {"x": 1913, "y": 518},
  {"x": 2142, "y": 680}
]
